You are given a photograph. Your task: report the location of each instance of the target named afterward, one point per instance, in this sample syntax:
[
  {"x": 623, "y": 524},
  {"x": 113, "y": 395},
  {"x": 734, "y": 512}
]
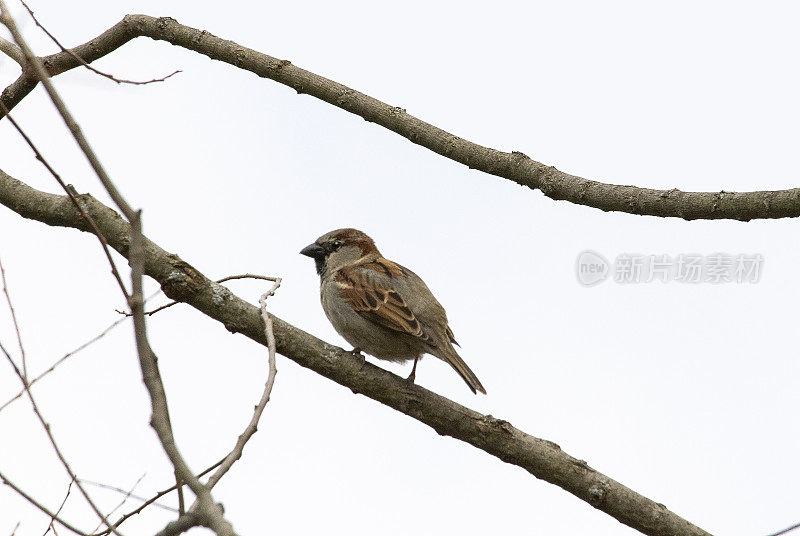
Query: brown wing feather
[{"x": 377, "y": 303}]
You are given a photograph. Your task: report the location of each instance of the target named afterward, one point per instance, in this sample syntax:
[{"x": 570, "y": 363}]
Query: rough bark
[{"x": 513, "y": 166}]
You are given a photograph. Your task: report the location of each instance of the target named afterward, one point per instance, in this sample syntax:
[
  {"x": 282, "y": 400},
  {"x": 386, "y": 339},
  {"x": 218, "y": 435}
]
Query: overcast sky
[{"x": 687, "y": 392}]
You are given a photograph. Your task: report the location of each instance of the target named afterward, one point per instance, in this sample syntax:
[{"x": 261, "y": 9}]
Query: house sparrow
[{"x": 380, "y": 307}]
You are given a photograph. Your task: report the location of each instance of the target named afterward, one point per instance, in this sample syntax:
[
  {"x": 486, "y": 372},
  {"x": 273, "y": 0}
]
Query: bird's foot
[{"x": 413, "y": 375}]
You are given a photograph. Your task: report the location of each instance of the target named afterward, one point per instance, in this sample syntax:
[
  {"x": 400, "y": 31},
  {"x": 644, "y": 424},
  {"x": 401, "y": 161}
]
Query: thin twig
[
  {"x": 14, "y": 530},
  {"x": 48, "y": 431},
  {"x": 181, "y": 501},
  {"x": 153, "y": 500},
  {"x": 73, "y": 352},
  {"x": 68, "y": 190},
  {"x": 277, "y": 280},
  {"x": 230, "y": 277},
  {"x": 61, "y": 507},
  {"x": 84, "y": 63},
  {"x": 64, "y": 358},
  {"x": 74, "y": 128},
  {"x": 128, "y": 494},
  {"x": 252, "y": 426},
  {"x": 16, "y": 324},
  {"x": 787, "y": 529},
  {"x": 41, "y": 507}
]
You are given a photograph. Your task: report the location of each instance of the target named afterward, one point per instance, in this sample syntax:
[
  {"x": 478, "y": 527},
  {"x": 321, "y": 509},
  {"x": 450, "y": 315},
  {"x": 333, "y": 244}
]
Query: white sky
[{"x": 686, "y": 393}]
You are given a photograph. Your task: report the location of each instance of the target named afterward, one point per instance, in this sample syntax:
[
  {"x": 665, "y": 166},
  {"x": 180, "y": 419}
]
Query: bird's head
[{"x": 340, "y": 248}]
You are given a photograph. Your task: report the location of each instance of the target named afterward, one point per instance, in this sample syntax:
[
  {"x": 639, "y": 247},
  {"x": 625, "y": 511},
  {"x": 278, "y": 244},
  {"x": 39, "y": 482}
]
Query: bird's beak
[{"x": 315, "y": 251}]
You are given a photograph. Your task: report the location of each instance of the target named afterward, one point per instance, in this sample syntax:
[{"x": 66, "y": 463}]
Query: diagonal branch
[
  {"x": 207, "y": 512},
  {"x": 182, "y": 282},
  {"x": 514, "y": 166},
  {"x": 34, "y": 502},
  {"x": 12, "y": 51}
]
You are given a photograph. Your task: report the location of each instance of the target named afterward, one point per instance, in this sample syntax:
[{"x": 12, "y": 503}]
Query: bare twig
[
  {"x": 14, "y": 530},
  {"x": 74, "y": 128},
  {"x": 62, "y": 359},
  {"x": 68, "y": 190},
  {"x": 252, "y": 426},
  {"x": 181, "y": 500},
  {"x": 16, "y": 324},
  {"x": 84, "y": 63},
  {"x": 61, "y": 507},
  {"x": 786, "y": 530},
  {"x": 153, "y": 500},
  {"x": 42, "y": 508},
  {"x": 49, "y": 432},
  {"x": 271, "y": 292},
  {"x": 71, "y": 353},
  {"x": 229, "y": 278},
  {"x": 128, "y": 495}
]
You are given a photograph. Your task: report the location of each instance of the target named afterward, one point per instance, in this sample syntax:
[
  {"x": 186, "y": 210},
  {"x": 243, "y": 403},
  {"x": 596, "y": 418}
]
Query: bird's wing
[{"x": 368, "y": 289}]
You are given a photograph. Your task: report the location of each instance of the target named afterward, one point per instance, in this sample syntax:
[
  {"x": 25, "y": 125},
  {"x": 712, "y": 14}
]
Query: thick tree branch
[
  {"x": 182, "y": 282},
  {"x": 513, "y": 166}
]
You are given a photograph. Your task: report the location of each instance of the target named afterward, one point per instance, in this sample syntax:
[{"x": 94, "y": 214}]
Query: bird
[{"x": 381, "y": 307}]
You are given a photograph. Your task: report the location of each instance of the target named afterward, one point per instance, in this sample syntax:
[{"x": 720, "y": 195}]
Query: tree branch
[
  {"x": 514, "y": 166},
  {"x": 34, "y": 502},
  {"x": 96, "y": 71},
  {"x": 46, "y": 426},
  {"x": 41, "y": 74},
  {"x": 182, "y": 282},
  {"x": 12, "y": 51},
  {"x": 252, "y": 426}
]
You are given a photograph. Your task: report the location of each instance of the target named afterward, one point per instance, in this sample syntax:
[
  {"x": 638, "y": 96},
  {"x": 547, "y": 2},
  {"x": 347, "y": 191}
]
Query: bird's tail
[{"x": 450, "y": 355}]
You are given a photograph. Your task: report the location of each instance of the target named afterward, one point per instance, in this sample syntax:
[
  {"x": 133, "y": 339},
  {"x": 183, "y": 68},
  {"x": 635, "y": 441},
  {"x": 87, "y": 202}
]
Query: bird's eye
[{"x": 336, "y": 244}]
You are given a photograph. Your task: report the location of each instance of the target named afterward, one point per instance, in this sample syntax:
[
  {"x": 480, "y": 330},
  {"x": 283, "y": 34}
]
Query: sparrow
[{"x": 381, "y": 307}]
